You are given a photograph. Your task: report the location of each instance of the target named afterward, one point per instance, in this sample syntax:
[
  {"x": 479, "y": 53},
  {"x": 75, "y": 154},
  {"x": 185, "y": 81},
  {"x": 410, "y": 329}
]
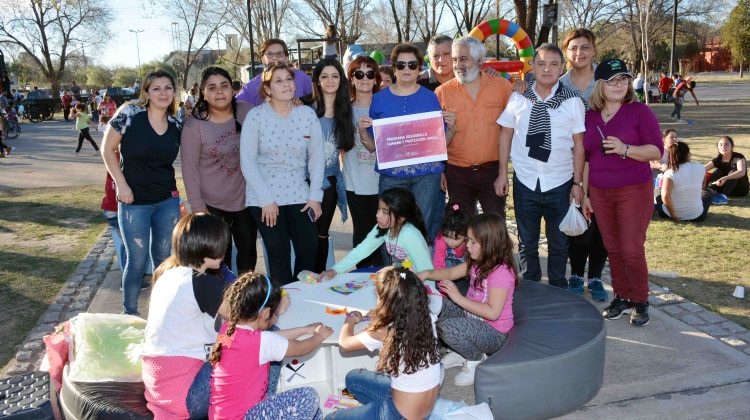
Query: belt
[{"x": 479, "y": 166}]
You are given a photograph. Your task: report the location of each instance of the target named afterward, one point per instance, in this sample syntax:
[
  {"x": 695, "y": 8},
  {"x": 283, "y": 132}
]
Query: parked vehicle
[{"x": 40, "y": 105}]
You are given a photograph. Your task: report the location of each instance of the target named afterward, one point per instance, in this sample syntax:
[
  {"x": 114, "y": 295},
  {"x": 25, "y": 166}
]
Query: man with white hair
[{"x": 472, "y": 102}]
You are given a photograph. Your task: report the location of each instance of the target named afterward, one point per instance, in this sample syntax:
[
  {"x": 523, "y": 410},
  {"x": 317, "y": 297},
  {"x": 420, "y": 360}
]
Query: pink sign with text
[{"x": 410, "y": 139}]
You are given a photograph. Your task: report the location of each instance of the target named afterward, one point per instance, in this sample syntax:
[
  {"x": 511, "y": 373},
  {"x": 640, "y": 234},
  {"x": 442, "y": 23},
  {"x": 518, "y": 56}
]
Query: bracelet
[{"x": 627, "y": 147}]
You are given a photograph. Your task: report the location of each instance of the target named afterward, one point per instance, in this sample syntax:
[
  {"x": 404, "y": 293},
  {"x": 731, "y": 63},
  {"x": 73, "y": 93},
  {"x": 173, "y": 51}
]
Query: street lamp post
[{"x": 138, "y": 48}]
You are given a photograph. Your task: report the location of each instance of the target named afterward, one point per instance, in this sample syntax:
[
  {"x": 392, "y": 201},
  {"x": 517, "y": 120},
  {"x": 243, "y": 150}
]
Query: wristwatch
[{"x": 579, "y": 183}]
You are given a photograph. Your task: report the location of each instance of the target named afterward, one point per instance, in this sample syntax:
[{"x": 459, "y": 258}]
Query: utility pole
[
  {"x": 497, "y": 36},
  {"x": 250, "y": 28},
  {"x": 138, "y": 48},
  {"x": 672, "y": 56}
]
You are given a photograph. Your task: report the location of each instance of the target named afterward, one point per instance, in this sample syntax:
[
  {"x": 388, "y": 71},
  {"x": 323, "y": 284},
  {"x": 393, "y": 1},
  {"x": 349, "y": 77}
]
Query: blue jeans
[
  {"x": 373, "y": 390},
  {"x": 114, "y": 230},
  {"x": 531, "y": 206},
  {"x": 143, "y": 228},
  {"x": 199, "y": 393},
  {"x": 427, "y": 193}
]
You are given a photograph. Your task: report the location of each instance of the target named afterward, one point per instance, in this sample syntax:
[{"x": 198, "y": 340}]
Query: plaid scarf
[{"x": 539, "y": 133}]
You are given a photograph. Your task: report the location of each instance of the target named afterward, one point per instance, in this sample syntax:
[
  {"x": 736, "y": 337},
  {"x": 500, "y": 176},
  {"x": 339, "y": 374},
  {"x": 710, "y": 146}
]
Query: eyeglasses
[
  {"x": 278, "y": 54},
  {"x": 619, "y": 80},
  {"x": 359, "y": 74},
  {"x": 400, "y": 65}
]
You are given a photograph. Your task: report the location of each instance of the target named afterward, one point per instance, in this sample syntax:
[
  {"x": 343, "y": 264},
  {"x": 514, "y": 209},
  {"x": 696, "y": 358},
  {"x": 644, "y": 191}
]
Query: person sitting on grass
[
  {"x": 730, "y": 177},
  {"x": 407, "y": 379},
  {"x": 477, "y": 324},
  {"x": 240, "y": 381},
  {"x": 682, "y": 196},
  {"x": 400, "y": 227},
  {"x": 669, "y": 136}
]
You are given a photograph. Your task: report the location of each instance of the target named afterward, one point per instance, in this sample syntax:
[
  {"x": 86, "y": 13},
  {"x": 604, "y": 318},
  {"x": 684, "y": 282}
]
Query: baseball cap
[{"x": 610, "y": 68}]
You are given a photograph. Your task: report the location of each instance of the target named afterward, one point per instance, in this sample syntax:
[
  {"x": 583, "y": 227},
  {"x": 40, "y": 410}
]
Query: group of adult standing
[{"x": 264, "y": 161}]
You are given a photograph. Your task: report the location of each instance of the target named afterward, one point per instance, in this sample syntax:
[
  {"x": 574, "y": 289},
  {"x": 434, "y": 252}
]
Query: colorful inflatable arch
[{"x": 520, "y": 39}]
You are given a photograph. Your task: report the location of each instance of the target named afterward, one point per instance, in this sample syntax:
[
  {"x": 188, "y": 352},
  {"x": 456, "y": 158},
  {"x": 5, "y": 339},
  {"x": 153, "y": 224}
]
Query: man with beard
[{"x": 472, "y": 102}]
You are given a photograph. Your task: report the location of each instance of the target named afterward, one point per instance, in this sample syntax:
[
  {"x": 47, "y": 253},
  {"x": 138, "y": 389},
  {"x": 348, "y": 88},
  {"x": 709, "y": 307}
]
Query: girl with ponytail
[{"x": 245, "y": 349}]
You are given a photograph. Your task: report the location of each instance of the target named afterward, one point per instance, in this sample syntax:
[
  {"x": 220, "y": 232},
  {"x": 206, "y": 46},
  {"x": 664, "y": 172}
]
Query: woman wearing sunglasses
[
  {"x": 406, "y": 97},
  {"x": 359, "y": 163}
]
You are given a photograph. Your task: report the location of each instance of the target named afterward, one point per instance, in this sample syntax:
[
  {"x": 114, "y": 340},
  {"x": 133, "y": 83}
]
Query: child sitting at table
[
  {"x": 400, "y": 227},
  {"x": 477, "y": 324},
  {"x": 244, "y": 350},
  {"x": 407, "y": 381},
  {"x": 185, "y": 300},
  {"x": 450, "y": 243}
]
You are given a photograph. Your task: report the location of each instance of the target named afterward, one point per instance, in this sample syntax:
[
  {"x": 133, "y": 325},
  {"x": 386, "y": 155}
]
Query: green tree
[
  {"x": 736, "y": 33},
  {"x": 98, "y": 77},
  {"x": 125, "y": 76},
  {"x": 50, "y": 32}
]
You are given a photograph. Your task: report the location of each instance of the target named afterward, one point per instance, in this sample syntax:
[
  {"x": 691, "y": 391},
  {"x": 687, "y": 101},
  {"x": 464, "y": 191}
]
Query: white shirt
[
  {"x": 273, "y": 346},
  {"x": 687, "y": 184},
  {"x": 566, "y": 120},
  {"x": 422, "y": 380},
  {"x": 176, "y": 325}
]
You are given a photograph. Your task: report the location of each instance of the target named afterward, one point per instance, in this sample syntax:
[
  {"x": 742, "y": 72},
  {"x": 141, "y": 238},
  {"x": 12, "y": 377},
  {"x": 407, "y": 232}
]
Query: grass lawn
[
  {"x": 711, "y": 258},
  {"x": 44, "y": 234}
]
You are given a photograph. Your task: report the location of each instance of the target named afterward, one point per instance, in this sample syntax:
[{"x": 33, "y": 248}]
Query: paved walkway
[{"x": 687, "y": 363}]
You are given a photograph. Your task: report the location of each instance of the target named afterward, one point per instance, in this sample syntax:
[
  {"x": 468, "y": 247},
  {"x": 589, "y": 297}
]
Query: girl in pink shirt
[
  {"x": 477, "y": 324},
  {"x": 450, "y": 243},
  {"x": 244, "y": 350}
]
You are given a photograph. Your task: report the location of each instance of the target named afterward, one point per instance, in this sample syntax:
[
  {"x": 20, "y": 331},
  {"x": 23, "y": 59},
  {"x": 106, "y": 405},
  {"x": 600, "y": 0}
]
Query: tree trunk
[{"x": 742, "y": 74}]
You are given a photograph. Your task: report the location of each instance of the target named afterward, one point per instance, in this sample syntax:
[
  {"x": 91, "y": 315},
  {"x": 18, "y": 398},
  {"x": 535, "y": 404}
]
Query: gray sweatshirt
[{"x": 277, "y": 154}]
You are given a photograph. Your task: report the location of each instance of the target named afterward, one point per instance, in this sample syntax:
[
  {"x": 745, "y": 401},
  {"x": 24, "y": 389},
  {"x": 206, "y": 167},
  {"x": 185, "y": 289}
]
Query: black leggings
[
  {"x": 732, "y": 188},
  {"x": 589, "y": 245},
  {"x": 84, "y": 134},
  {"x": 244, "y": 232},
  {"x": 291, "y": 224},
  {"x": 323, "y": 224},
  {"x": 363, "y": 209}
]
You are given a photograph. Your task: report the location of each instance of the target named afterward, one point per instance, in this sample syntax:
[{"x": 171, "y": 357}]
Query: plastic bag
[
  {"x": 56, "y": 353},
  {"x": 106, "y": 347},
  {"x": 574, "y": 223}
]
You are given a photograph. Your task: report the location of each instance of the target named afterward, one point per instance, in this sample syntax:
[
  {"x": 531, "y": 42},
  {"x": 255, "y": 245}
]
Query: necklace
[{"x": 607, "y": 115}]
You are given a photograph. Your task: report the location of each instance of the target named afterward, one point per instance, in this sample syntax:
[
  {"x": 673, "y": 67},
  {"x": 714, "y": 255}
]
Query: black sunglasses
[
  {"x": 359, "y": 74},
  {"x": 400, "y": 65}
]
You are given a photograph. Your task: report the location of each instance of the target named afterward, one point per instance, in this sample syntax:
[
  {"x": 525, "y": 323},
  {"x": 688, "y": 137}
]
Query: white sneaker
[
  {"x": 466, "y": 376},
  {"x": 452, "y": 359}
]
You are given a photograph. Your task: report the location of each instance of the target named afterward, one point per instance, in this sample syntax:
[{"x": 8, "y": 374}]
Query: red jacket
[{"x": 66, "y": 99}]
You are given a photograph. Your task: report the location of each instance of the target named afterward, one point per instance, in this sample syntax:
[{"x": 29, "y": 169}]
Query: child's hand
[
  {"x": 323, "y": 331},
  {"x": 286, "y": 301},
  {"x": 311, "y": 327},
  {"x": 355, "y": 316},
  {"x": 423, "y": 275},
  {"x": 449, "y": 288},
  {"x": 327, "y": 275}
]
